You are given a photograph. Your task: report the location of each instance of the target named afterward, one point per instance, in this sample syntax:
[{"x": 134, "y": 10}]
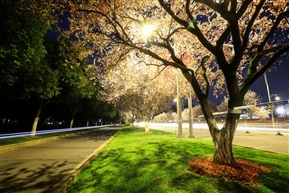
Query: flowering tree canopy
[
  {"x": 222, "y": 44},
  {"x": 138, "y": 93}
]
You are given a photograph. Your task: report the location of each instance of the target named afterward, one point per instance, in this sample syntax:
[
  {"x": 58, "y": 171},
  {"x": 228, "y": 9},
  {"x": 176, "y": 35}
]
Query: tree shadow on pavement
[{"x": 40, "y": 179}]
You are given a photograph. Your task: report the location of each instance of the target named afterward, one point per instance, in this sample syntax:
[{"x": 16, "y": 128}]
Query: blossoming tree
[{"x": 221, "y": 44}]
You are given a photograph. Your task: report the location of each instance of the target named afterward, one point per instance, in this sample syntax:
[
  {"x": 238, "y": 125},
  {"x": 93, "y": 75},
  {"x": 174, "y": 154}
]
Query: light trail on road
[
  {"x": 241, "y": 127},
  {"x": 41, "y": 132},
  {"x": 267, "y": 139}
]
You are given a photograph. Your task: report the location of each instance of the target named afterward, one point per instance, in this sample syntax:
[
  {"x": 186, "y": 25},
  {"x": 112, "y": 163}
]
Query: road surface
[
  {"x": 42, "y": 167},
  {"x": 258, "y": 138}
]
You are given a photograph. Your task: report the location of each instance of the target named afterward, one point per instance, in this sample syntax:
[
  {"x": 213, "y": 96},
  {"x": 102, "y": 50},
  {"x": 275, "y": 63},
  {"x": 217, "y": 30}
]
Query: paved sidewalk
[{"x": 49, "y": 166}]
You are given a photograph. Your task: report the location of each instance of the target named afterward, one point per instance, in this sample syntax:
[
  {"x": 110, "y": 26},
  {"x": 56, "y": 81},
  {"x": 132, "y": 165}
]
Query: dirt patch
[{"x": 242, "y": 170}]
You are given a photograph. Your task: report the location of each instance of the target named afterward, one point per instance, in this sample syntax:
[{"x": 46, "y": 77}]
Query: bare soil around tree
[{"x": 241, "y": 171}]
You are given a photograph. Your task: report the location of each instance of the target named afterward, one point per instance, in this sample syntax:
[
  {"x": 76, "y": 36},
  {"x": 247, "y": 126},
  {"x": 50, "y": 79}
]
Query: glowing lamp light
[
  {"x": 147, "y": 30},
  {"x": 277, "y": 98}
]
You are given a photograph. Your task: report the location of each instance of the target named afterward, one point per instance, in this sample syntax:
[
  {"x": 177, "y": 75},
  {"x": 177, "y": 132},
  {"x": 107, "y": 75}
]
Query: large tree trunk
[{"x": 223, "y": 140}]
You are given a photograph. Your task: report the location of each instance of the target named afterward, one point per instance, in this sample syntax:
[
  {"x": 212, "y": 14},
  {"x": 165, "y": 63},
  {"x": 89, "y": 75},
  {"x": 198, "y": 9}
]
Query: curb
[{"x": 62, "y": 185}]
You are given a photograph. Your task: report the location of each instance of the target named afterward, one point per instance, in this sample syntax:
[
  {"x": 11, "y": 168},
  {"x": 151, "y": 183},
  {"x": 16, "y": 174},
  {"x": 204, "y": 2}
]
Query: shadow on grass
[
  {"x": 134, "y": 162},
  {"x": 277, "y": 178}
]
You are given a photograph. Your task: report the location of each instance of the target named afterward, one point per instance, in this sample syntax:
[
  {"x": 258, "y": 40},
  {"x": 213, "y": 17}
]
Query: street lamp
[
  {"x": 277, "y": 97},
  {"x": 147, "y": 30},
  {"x": 270, "y": 101},
  {"x": 190, "y": 116},
  {"x": 179, "y": 112}
]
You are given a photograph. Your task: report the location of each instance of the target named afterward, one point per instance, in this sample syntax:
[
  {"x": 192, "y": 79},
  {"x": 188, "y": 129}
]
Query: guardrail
[{"x": 41, "y": 132}]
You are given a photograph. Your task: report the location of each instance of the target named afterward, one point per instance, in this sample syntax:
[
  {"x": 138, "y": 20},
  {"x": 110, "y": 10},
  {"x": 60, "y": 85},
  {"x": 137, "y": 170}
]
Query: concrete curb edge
[{"x": 64, "y": 183}]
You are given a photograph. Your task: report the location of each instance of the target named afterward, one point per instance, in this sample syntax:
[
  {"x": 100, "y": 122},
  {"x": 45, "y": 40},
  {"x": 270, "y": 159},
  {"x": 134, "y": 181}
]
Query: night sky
[{"x": 278, "y": 80}]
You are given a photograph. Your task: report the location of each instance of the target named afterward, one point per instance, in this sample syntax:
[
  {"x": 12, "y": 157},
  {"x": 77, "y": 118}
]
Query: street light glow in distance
[{"x": 147, "y": 30}]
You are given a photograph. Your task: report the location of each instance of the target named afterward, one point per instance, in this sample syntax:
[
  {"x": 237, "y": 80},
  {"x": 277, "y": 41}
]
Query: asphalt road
[
  {"x": 267, "y": 141},
  {"x": 43, "y": 167}
]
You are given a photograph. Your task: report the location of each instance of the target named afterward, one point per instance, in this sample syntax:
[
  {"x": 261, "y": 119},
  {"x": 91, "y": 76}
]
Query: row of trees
[
  {"x": 141, "y": 94},
  {"x": 221, "y": 44},
  {"x": 42, "y": 73},
  {"x": 251, "y": 98}
]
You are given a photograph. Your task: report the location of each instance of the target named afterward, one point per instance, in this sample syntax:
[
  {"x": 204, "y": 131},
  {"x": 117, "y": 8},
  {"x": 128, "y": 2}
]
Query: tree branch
[
  {"x": 250, "y": 24},
  {"x": 274, "y": 27},
  {"x": 204, "y": 59},
  {"x": 221, "y": 8},
  {"x": 233, "y": 5},
  {"x": 195, "y": 31},
  {"x": 264, "y": 68}
]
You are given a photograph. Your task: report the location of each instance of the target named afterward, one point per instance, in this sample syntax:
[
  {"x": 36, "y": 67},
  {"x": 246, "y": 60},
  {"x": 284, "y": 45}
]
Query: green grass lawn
[{"x": 158, "y": 163}]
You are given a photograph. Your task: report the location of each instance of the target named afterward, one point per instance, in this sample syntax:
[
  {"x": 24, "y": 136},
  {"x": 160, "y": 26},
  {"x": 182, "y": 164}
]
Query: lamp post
[
  {"x": 179, "y": 112},
  {"x": 274, "y": 97},
  {"x": 190, "y": 117},
  {"x": 269, "y": 98}
]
